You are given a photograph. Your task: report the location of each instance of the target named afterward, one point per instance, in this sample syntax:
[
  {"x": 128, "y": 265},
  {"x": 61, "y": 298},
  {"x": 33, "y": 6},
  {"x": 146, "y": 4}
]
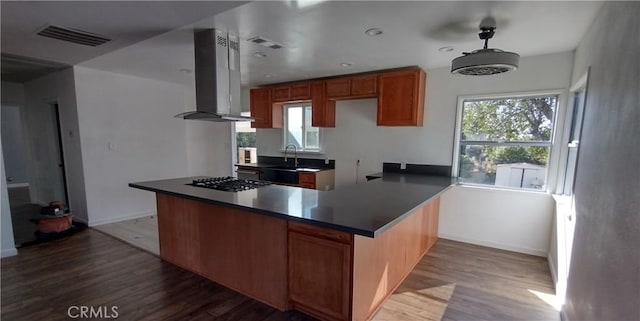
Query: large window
[
  {"x": 505, "y": 141},
  {"x": 298, "y": 130}
]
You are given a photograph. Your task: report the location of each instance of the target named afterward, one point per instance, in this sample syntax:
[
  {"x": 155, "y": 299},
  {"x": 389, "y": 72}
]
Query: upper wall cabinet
[
  {"x": 293, "y": 92},
  {"x": 352, "y": 87},
  {"x": 401, "y": 98},
  {"x": 323, "y": 110},
  {"x": 266, "y": 113}
]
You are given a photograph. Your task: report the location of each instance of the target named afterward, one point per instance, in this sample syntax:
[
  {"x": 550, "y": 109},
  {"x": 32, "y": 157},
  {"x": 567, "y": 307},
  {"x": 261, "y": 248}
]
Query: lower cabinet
[
  {"x": 180, "y": 232},
  {"x": 320, "y": 273}
]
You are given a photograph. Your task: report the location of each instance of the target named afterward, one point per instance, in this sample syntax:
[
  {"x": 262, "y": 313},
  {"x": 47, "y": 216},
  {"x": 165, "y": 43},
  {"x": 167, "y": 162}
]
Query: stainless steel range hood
[{"x": 217, "y": 69}]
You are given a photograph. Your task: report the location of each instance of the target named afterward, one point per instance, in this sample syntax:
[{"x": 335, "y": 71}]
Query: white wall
[
  {"x": 8, "y": 246},
  {"x": 505, "y": 219},
  {"x": 39, "y": 94},
  {"x": 128, "y": 135},
  {"x": 603, "y": 281},
  {"x": 356, "y": 136}
]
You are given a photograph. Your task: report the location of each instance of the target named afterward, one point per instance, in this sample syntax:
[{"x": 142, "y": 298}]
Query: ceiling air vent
[
  {"x": 265, "y": 42},
  {"x": 73, "y": 35}
]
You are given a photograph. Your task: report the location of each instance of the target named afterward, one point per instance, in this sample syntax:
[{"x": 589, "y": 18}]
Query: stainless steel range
[{"x": 228, "y": 183}]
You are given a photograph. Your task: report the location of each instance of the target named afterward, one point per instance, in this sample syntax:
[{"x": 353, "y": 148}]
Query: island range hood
[{"x": 217, "y": 71}]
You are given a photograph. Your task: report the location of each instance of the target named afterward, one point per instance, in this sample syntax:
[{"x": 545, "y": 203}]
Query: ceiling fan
[{"x": 485, "y": 61}]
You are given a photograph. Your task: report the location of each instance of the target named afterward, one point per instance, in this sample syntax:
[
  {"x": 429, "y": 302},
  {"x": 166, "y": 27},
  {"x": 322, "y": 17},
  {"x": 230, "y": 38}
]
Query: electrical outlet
[
  {"x": 326, "y": 161},
  {"x": 403, "y": 165}
]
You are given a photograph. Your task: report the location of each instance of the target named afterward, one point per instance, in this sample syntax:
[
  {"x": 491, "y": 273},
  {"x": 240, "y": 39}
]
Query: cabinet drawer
[
  {"x": 307, "y": 178},
  {"x": 337, "y": 88},
  {"x": 320, "y": 232},
  {"x": 282, "y": 93},
  {"x": 300, "y": 92}
]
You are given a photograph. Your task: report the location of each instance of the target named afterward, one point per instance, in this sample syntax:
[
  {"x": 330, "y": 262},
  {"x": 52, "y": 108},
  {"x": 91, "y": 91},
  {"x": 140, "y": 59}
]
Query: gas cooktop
[{"x": 228, "y": 183}]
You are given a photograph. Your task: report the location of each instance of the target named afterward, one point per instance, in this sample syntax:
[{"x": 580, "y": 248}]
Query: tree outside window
[{"x": 506, "y": 141}]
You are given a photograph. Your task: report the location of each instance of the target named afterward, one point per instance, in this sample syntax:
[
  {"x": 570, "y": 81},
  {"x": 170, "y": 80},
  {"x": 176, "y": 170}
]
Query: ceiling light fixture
[
  {"x": 373, "y": 32},
  {"x": 346, "y": 64},
  {"x": 445, "y": 49},
  {"x": 485, "y": 61},
  {"x": 260, "y": 54},
  {"x": 268, "y": 76},
  {"x": 186, "y": 70}
]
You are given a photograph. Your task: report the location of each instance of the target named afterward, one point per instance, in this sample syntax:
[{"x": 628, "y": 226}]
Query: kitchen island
[{"x": 336, "y": 255}]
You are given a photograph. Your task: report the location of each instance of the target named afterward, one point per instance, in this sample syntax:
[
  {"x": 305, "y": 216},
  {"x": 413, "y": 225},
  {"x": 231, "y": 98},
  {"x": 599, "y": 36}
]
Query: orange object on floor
[{"x": 54, "y": 224}]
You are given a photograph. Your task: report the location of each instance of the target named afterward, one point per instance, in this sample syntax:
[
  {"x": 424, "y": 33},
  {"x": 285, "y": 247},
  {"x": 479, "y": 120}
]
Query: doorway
[{"x": 34, "y": 164}]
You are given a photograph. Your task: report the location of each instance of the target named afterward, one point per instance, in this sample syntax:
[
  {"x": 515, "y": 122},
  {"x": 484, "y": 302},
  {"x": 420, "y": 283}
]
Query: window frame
[
  {"x": 551, "y": 175},
  {"x": 285, "y": 129}
]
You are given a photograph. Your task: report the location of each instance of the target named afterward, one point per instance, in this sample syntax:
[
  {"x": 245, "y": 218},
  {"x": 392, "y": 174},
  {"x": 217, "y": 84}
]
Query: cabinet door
[
  {"x": 401, "y": 98},
  {"x": 179, "y": 232},
  {"x": 339, "y": 88},
  {"x": 323, "y": 110},
  {"x": 281, "y": 94},
  {"x": 300, "y": 92},
  {"x": 319, "y": 276},
  {"x": 307, "y": 180},
  {"x": 364, "y": 86},
  {"x": 267, "y": 114}
]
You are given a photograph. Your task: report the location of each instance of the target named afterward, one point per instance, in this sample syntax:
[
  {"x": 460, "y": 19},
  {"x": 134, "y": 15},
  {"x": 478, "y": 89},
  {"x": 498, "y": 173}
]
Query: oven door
[{"x": 243, "y": 173}]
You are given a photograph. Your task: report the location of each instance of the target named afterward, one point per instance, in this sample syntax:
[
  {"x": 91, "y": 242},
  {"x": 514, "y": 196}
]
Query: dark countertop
[
  {"x": 301, "y": 169},
  {"x": 366, "y": 209}
]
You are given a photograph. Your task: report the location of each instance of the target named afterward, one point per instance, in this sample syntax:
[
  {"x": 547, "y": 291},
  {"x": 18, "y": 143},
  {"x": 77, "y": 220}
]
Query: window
[
  {"x": 246, "y": 141},
  {"x": 505, "y": 141},
  {"x": 298, "y": 130}
]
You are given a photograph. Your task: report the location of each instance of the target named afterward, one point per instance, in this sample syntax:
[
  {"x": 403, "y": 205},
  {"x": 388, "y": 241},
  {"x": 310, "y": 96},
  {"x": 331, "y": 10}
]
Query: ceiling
[{"x": 316, "y": 35}]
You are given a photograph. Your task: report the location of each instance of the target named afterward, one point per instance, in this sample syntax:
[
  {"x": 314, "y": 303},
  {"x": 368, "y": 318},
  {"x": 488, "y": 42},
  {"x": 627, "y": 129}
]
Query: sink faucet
[{"x": 295, "y": 153}]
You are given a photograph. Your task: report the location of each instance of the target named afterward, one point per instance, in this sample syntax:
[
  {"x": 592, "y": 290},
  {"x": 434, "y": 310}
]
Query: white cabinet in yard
[{"x": 521, "y": 175}]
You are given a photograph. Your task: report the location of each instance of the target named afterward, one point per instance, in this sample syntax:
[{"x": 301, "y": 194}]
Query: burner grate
[{"x": 228, "y": 183}]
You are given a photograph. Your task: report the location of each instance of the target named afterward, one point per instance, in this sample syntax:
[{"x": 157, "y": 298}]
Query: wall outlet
[
  {"x": 403, "y": 165},
  {"x": 326, "y": 161}
]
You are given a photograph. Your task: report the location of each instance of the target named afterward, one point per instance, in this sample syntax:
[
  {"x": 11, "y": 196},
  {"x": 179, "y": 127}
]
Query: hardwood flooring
[{"x": 454, "y": 281}]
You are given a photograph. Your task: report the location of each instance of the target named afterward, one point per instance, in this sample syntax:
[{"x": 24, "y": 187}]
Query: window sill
[{"x": 503, "y": 188}]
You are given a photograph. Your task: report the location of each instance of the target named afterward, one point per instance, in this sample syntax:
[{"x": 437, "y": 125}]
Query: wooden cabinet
[
  {"x": 320, "y": 271},
  {"x": 179, "y": 232},
  {"x": 266, "y": 113},
  {"x": 401, "y": 98},
  {"x": 307, "y": 180},
  {"x": 323, "y": 110},
  {"x": 301, "y": 91},
  {"x": 352, "y": 87},
  {"x": 364, "y": 86},
  {"x": 339, "y": 88},
  {"x": 281, "y": 94}
]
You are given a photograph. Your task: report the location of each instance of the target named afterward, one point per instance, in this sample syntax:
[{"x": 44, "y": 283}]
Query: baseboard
[
  {"x": 511, "y": 248},
  {"x": 554, "y": 275},
  {"x": 8, "y": 252},
  {"x": 16, "y": 185},
  {"x": 121, "y": 218}
]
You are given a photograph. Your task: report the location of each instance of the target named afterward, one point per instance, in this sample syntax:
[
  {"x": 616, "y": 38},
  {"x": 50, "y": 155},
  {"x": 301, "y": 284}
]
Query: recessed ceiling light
[
  {"x": 260, "y": 54},
  {"x": 346, "y": 64},
  {"x": 185, "y": 70},
  {"x": 373, "y": 31},
  {"x": 445, "y": 49},
  {"x": 268, "y": 76}
]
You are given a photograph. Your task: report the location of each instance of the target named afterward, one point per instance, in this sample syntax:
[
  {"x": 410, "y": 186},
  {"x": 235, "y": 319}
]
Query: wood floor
[{"x": 454, "y": 281}]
